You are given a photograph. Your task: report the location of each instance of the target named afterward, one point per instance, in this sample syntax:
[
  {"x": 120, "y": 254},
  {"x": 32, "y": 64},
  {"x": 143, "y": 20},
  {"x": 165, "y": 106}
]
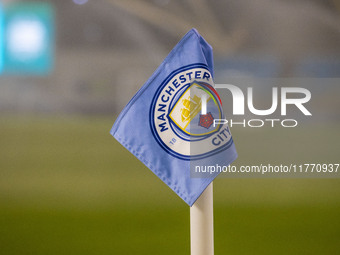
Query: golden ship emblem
[{"x": 192, "y": 106}]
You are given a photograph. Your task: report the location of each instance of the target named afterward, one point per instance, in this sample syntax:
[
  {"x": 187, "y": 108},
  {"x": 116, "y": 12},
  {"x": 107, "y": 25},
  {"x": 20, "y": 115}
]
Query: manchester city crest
[{"x": 182, "y": 115}]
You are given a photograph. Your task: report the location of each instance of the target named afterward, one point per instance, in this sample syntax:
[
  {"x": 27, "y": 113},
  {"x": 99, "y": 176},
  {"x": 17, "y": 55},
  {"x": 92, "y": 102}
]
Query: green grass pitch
[{"x": 67, "y": 187}]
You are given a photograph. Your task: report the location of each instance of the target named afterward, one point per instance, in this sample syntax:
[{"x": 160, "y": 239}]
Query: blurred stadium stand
[
  {"x": 319, "y": 67},
  {"x": 106, "y": 49}
]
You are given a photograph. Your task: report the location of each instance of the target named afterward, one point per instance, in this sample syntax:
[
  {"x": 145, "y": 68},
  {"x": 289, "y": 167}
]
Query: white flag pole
[{"x": 202, "y": 224}]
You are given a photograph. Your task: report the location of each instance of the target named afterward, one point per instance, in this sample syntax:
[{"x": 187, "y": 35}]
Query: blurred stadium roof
[
  {"x": 281, "y": 27},
  {"x": 106, "y": 49}
]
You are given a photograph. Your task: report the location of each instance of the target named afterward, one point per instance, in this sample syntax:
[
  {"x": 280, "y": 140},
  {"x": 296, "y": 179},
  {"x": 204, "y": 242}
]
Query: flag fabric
[{"x": 170, "y": 124}]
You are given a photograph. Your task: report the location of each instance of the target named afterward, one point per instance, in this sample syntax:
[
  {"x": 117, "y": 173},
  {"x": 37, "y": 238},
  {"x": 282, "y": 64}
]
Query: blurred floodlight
[
  {"x": 1, "y": 39},
  {"x": 29, "y": 38},
  {"x": 80, "y": 2},
  {"x": 26, "y": 39}
]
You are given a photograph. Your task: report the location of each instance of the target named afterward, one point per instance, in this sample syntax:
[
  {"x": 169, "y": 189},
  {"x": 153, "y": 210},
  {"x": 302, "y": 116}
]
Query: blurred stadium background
[{"x": 67, "y": 187}]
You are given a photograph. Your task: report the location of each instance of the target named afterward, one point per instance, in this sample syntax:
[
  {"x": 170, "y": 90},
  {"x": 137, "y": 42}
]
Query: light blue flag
[{"x": 171, "y": 123}]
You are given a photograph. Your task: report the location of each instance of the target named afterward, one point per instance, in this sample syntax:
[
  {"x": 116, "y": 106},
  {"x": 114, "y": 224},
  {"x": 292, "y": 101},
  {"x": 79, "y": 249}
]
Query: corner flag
[{"x": 169, "y": 124}]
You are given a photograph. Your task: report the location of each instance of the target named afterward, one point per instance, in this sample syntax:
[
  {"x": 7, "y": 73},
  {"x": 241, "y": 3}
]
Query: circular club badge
[{"x": 185, "y": 115}]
